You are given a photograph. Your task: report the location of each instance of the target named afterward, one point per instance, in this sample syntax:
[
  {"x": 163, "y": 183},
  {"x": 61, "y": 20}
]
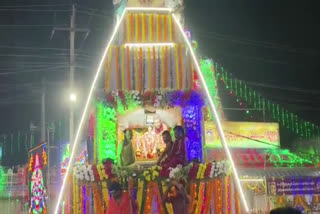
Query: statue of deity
[{"x": 150, "y": 144}]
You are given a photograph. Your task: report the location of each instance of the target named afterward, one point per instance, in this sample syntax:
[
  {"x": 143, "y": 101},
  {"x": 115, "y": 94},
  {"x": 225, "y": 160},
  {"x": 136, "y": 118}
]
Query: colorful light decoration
[
  {"x": 107, "y": 132},
  {"x": 192, "y": 116},
  {"x": 202, "y": 80},
  {"x": 191, "y": 103},
  {"x": 65, "y": 158},
  {"x": 207, "y": 68},
  {"x": 286, "y": 118},
  {"x": 38, "y": 192},
  {"x": 284, "y": 158},
  {"x": 2, "y": 179}
]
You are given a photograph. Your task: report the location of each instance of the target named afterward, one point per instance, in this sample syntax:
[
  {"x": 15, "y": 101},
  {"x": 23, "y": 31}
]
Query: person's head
[
  {"x": 285, "y": 210},
  {"x": 115, "y": 190},
  {"x": 178, "y": 132},
  {"x": 127, "y": 134},
  {"x": 166, "y": 136},
  {"x": 157, "y": 123}
]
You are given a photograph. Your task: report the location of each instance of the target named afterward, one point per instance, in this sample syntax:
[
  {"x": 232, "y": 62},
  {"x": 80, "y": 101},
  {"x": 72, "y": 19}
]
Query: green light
[
  {"x": 284, "y": 158},
  {"x": 210, "y": 78},
  {"x": 107, "y": 132},
  {"x": 247, "y": 112},
  {"x": 2, "y": 179}
]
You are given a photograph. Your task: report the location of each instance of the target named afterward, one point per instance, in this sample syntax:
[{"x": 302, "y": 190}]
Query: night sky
[{"x": 274, "y": 43}]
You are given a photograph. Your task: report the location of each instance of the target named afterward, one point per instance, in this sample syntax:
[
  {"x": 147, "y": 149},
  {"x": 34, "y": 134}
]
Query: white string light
[
  {"x": 170, "y": 44},
  {"x": 217, "y": 120},
  {"x": 75, "y": 143},
  {"x": 150, "y": 9},
  {"x": 76, "y": 140}
]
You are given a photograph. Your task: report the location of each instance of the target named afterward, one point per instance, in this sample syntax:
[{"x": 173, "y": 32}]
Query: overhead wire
[
  {"x": 34, "y": 10},
  {"x": 259, "y": 43},
  {"x": 34, "y": 5}
]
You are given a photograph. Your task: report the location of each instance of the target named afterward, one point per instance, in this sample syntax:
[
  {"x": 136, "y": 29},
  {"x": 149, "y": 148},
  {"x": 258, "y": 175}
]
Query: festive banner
[
  {"x": 243, "y": 135},
  {"x": 294, "y": 186}
]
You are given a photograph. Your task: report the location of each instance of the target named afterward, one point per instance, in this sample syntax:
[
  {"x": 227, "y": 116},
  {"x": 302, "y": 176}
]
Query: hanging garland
[
  {"x": 194, "y": 171},
  {"x": 126, "y": 100}
]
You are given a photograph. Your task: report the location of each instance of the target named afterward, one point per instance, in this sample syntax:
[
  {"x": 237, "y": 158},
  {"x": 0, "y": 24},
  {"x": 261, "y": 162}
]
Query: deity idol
[{"x": 150, "y": 144}]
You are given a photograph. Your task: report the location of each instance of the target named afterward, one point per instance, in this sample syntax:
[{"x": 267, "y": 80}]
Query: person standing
[
  {"x": 177, "y": 195},
  {"x": 166, "y": 137},
  {"x": 127, "y": 156},
  {"x": 121, "y": 202}
]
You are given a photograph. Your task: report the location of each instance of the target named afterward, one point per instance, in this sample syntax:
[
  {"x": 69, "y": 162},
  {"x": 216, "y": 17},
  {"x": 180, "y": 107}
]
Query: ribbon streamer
[
  {"x": 123, "y": 82},
  {"x": 177, "y": 67},
  {"x": 151, "y": 28}
]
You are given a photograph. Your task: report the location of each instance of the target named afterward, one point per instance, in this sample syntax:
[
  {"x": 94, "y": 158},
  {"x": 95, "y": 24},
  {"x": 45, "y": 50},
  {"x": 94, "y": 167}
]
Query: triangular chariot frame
[{"x": 203, "y": 84}]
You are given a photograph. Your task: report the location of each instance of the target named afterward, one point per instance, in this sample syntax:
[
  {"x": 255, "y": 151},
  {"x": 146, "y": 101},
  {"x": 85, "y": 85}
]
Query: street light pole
[
  {"x": 72, "y": 68},
  {"x": 72, "y": 30},
  {"x": 43, "y": 112}
]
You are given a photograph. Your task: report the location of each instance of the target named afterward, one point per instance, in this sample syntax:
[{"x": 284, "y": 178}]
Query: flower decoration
[
  {"x": 108, "y": 169},
  {"x": 194, "y": 171},
  {"x": 31, "y": 163},
  {"x": 152, "y": 173},
  {"x": 176, "y": 173},
  {"x": 84, "y": 172},
  {"x": 95, "y": 173},
  {"x": 44, "y": 156}
]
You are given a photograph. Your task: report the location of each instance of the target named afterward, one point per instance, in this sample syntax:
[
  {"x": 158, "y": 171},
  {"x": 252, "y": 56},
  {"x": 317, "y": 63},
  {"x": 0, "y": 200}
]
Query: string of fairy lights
[{"x": 286, "y": 118}]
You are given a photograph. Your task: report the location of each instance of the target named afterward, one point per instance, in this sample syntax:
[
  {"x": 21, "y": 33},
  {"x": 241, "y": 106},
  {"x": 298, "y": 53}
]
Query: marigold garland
[
  {"x": 97, "y": 199},
  {"x": 105, "y": 193},
  {"x": 81, "y": 204},
  {"x": 44, "y": 156},
  {"x": 159, "y": 199},
  {"x": 209, "y": 194},
  {"x": 193, "y": 195},
  {"x": 31, "y": 163},
  {"x": 149, "y": 194},
  {"x": 200, "y": 198}
]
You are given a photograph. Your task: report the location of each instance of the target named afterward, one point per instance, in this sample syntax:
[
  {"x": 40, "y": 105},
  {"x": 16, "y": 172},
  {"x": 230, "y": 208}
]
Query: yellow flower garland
[
  {"x": 201, "y": 171},
  {"x": 140, "y": 192},
  {"x": 200, "y": 198},
  {"x": 105, "y": 193}
]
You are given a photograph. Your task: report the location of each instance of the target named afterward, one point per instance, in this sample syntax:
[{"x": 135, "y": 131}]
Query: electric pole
[
  {"x": 73, "y": 30},
  {"x": 43, "y": 112},
  {"x": 72, "y": 68}
]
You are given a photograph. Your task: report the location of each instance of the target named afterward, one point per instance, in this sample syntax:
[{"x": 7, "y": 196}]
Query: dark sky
[{"x": 271, "y": 42}]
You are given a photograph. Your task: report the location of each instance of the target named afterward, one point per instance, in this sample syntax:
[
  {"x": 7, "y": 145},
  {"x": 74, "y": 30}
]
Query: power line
[
  {"x": 32, "y": 48},
  {"x": 34, "y": 5},
  {"x": 255, "y": 58},
  {"x": 34, "y": 10},
  {"x": 259, "y": 43},
  {"x": 286, "y": 88},
  {"x": 27, "y": 26},
  {"x": 95, "y": 14},
  {"x": 30, "y": 71},
  {"x": 32, "y": 56}
]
